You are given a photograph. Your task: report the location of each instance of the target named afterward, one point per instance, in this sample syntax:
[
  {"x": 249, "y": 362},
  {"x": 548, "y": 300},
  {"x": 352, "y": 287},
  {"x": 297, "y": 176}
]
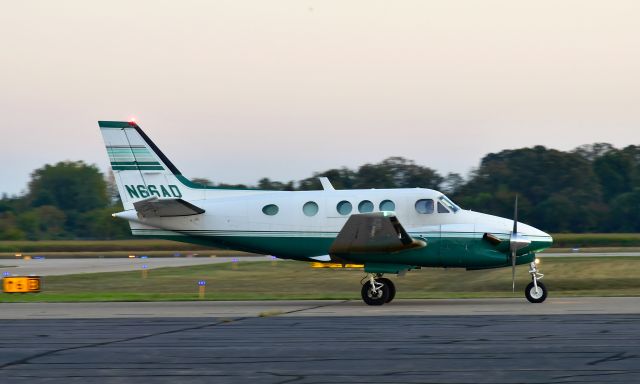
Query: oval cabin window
[
  {"x": 310, "y": 208},
  {"x": 365, "y": 206},
  {"x": 270, "y": 210},
  {"x": 387, "y": 205},
  {"x": 344, "y": 207}
]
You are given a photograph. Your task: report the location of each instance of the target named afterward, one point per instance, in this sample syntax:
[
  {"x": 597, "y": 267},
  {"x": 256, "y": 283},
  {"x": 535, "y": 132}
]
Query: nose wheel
[
  {"x": 378, "y": 290},
  {"x": 535, "y": 292}
]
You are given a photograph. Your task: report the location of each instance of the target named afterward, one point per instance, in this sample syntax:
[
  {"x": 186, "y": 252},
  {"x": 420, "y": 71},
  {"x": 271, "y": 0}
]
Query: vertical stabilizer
[{"x": 141, "y": 170}]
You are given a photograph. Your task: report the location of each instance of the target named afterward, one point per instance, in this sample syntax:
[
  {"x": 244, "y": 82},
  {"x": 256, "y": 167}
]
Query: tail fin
[{"x": 142, "y": 171}]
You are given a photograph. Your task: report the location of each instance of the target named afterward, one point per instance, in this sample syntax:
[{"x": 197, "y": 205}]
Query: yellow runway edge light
[
  {"x": 21, "y": 284},
  {"x": 335, "y": 265}
]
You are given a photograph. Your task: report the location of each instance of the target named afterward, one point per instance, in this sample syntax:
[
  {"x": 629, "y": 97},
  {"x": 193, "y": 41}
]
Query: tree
[
  {"x": 397, "y": 172},
  {"x": 535, "y": 174},
  {"x": 202, "y": 181},
  {"x": 72, "y": 186}
]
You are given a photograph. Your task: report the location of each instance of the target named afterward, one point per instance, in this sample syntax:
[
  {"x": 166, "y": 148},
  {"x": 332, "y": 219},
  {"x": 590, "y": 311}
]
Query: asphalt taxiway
[
  {"x": 51, "y": 267},
  {"x": 427, "y": 341}
]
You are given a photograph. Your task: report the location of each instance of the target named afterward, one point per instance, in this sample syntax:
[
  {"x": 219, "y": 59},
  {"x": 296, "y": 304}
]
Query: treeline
[
  {"x": 593, "y": 188},
  {"x": 68, "y": 200}
]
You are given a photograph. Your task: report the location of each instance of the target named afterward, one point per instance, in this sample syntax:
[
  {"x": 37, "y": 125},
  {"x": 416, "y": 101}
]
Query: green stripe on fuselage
[{"x": 459, "y": 252}]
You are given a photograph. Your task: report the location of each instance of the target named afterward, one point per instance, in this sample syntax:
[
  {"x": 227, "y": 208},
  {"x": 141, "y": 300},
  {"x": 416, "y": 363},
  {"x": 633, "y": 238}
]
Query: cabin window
[
  {"x": 387, "y": 205},
  {"x": 365, "y": 206},
  {"x": 441, "y": 208},
  {"x": 424, "y": 206},
  {"x": 270, "y": 209},
  {"x": 310, "y": 208},
  {"x": 344, "y": 207}
]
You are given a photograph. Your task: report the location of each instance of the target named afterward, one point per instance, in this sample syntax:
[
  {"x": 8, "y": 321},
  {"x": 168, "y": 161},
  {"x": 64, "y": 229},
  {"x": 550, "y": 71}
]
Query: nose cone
[
  {"x": 499, "y": 225},
  {"x": 539, "y": 240}
]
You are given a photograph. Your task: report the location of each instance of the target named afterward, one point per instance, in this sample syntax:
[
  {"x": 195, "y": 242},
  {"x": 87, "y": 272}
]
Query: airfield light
[
  {"x": 6, "y": 274},
  {"x": 132, "y": 256},
  {"x": 145, "y": 271},
  {"x": 202, "y": 285}
]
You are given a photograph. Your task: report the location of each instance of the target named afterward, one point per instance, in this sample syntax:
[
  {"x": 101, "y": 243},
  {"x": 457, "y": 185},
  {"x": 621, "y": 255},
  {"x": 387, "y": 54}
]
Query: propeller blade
[
  {"x": 515, "y": 243},
  {"x": 515, "y": 216},
  {"x": 513, "y": 271}
]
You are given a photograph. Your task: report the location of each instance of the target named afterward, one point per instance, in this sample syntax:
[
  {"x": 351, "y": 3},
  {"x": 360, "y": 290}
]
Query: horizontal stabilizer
[
  {"x": 379, "y": 232},
  {"x": 155, "y": 207}
]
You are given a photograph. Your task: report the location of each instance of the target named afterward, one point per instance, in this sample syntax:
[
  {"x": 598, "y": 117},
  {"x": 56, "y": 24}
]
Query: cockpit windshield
[{"x": 448, "y": 203}]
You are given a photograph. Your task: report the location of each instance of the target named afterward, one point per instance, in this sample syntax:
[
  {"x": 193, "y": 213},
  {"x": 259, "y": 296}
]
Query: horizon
[
  {"x": 236, "y": 91},
  {"x": 106, "y": 168}
]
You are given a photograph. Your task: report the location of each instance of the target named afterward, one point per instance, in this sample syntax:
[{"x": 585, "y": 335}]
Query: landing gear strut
[
  {"x": 535, "y": 292},
  {"x": 378, "y": 290}
]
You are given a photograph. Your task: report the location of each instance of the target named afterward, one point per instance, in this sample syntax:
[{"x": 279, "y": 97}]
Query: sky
[{"x": 238, "y": 90}]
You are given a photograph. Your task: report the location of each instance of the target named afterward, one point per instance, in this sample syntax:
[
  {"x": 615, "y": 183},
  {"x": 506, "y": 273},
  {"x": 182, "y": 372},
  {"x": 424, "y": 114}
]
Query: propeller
[{"x": 517, "y": 241}]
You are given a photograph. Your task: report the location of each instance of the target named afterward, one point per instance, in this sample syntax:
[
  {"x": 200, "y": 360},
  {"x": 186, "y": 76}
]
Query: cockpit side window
[
  {"x": 448, "y": 203},
  {"x": 424, "y": 206},
  {"x": 441, "y": 208}
]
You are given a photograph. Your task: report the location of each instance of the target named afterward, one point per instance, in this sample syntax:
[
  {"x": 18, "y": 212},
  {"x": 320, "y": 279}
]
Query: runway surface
[
  {"x": 413, "y": 341},
  {"x": 321, "y": 308},
  {"x": 50, "y": 267}
]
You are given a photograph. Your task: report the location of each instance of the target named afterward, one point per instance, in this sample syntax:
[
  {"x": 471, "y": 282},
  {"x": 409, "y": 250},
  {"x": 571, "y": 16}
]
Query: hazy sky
[{"x": 236, "y": 90}]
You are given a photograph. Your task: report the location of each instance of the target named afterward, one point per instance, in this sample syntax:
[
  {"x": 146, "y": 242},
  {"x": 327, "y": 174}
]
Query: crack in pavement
[
  {"x": 615, "y": 357},
  {"x": 27, "y": 360}
]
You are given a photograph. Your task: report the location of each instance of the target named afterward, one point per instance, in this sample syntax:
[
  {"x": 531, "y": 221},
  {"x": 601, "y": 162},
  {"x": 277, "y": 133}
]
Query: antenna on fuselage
[{"x": 326, "y": 184}]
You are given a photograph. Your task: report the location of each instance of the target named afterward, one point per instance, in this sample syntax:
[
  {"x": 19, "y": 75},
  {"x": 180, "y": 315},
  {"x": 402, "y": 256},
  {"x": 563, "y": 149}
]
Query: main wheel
[
  {"x": 535, "y": 296},
  {"x": 392, "y": 288},
  {"x": 379, "y": 297}
]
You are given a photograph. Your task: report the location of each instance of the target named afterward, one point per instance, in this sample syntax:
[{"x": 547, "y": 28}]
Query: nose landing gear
[
  {"x": 535, "y": 292},
  {"x": 378, "y": 290}
]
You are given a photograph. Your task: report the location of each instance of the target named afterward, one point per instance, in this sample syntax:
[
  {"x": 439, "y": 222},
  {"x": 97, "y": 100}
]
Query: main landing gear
[
  {"x": 535, "y": 292},
  {"x": 378, "y": 290}
]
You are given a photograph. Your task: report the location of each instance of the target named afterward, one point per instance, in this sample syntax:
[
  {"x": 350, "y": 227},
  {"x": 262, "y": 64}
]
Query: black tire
[
  {"x": 392, "y": 288},
  {"x": 378, "y": 298},
  {"x": 530, "y": 294}
]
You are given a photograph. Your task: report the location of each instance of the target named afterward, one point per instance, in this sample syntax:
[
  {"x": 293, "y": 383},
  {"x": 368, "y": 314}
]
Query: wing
[
  {"x": 155, "y": 207},
  {"x": 379, "y": 232}
]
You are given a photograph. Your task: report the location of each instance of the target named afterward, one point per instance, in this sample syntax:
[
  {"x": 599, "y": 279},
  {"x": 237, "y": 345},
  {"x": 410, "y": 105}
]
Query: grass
[
  {"x": 571, "y": 240},
  {"x": 26, "y": 246},
  {"x": 598, "y": 276}
]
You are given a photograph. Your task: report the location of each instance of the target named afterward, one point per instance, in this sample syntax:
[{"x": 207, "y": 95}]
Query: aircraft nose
[{"x": 539, "y": 239}]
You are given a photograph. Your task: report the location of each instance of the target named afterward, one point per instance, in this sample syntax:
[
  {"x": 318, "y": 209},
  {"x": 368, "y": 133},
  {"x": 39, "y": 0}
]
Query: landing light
[{"x": 537, "y": 261}]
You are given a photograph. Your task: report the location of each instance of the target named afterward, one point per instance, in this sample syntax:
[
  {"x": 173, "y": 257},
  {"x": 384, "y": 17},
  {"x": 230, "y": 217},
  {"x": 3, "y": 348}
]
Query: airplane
[{"x": 388, "y": 231}]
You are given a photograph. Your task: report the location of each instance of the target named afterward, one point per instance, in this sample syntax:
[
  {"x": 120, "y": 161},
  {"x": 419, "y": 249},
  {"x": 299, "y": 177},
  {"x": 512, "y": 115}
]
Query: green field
[
  {"x": 94, "y": 246},
  {"x": 580, "y": 240},
  {"x": 597, "y": 276}
]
